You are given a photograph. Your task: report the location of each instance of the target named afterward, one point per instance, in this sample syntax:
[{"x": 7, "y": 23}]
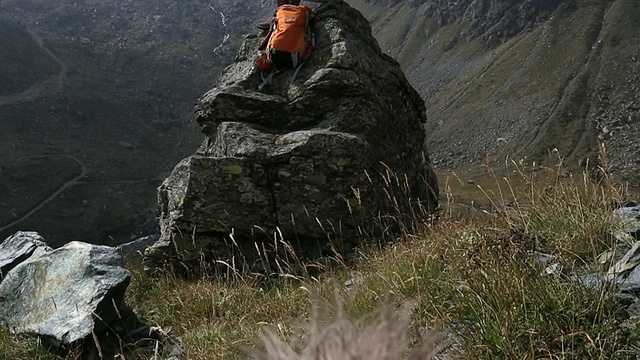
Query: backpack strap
[
  {"x": 265, "y": 80},
  {"x": 295, "y": 73}
]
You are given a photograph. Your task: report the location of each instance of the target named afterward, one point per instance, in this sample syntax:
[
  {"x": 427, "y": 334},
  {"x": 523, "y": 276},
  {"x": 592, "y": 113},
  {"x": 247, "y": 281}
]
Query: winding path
[{"x": 84, "y": 170}]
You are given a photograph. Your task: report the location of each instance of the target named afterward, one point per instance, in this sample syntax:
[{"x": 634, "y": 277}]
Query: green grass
[{"x": 469, "y": 276}]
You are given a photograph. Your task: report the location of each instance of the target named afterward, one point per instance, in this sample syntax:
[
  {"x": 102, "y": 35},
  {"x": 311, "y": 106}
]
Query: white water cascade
[{"x": 217, "y": 50}]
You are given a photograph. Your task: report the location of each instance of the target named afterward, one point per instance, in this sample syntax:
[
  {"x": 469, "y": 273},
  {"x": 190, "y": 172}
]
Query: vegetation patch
[{"x": 471, "y": 284}]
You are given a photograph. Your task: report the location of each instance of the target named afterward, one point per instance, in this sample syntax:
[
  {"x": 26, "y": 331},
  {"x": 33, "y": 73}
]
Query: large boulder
[
  {"x": 63, "y": 295},
  {"x": 318, "y": 160}
]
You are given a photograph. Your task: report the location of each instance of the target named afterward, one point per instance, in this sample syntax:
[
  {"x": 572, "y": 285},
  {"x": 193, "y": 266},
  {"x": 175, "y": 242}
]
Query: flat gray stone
[
  {"x": 628, "y": 212},
  {"x": 631, "y": 283},
  {"x": 17, "y": 248},
  {"x": 64, "y": 295}
]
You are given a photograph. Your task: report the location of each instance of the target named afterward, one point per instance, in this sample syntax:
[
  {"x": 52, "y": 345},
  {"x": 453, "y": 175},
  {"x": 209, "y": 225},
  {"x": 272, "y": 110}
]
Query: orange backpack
[{"x": 290, "y": 40}]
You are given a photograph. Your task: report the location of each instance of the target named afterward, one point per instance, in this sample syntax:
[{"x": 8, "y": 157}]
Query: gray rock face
[
  {"x": 63, "y": 295},
  {"x": 630, "y": 216},
  {"x": 631, "y": 212},
  {"x": 18, "y": 248},
  {"x": 316, "y": 160}
]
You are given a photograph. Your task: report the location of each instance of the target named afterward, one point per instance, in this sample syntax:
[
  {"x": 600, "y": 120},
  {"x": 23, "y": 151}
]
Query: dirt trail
[
  {"x": 84, "y": 170},
  {"x": 44, "y": 87}
]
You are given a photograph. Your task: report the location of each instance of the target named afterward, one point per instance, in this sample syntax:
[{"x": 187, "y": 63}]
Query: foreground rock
[
  {"x": 73, "y": 297},
  {"x": 18, "y": 248},
  {"x": 63, "y": 295},
  {"x": 622, "y": 276},
  {"x": 317, "y": 161},
  {"x": 630, "y": 216}
]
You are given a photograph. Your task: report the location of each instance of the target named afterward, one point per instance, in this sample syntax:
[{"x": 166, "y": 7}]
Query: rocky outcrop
[
  {"x": 318, "y": 160},
  {"x": 63, "y": 295}
]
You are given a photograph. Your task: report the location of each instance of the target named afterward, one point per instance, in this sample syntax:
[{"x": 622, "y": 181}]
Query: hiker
[{"x": 289, "y": 41}]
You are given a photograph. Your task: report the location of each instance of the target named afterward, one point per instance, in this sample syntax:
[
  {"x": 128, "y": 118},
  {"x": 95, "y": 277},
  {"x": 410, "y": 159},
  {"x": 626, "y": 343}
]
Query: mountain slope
[
  {"x": 565, "y": 80},
  {"x": 25, "y": 63},
  {"x": 104, "y": 90}
]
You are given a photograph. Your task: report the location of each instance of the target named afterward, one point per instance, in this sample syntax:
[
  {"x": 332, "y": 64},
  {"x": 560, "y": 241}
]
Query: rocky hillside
[
  {"x": 24, "y": 61},
  {"x": 96, "y": 104},
  {"x": 521, "y": 77}
]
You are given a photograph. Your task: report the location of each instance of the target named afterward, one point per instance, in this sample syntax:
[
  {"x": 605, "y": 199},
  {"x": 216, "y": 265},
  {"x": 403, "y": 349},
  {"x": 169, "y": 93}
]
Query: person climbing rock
[{"x": 289, "y": 41}]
